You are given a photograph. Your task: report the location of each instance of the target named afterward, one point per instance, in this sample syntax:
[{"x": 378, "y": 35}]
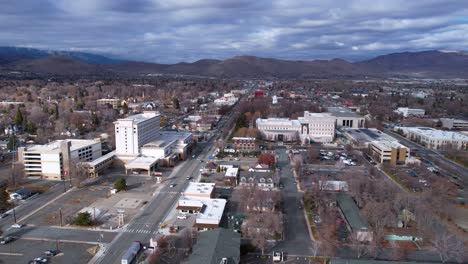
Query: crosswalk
[{"x": 140, "y": 231}]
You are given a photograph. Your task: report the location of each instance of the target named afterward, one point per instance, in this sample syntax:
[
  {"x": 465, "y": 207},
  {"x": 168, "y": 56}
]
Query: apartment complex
[
  {"x": 386, "y": 151},
  {"x": 434, "y": 138},
  {"x": 52, "y": 161},
  {"x": 134, "y": 131},
  {"x": 114, "y": 102},
  {"x": 405, "y": 111}
]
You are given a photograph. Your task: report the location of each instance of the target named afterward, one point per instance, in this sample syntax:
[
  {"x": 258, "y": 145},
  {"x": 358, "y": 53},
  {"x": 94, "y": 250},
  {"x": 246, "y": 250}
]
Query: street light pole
[
  {"x": 94, "y": 217},
  {"x": 14, "y": 214}
]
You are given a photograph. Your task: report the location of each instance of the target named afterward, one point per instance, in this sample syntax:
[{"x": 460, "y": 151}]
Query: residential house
[
  {"x": 264, "y": 180},
  {"x": 217, "y": 246}
]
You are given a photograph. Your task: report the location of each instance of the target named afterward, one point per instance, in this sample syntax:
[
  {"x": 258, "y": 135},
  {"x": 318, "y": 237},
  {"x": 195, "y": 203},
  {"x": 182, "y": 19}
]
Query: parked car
[
  {"x": 51, "y": 253},
  {"x": 40, "y": 260},
  {"x": 172, "y": 185},
  {"x": 3, "y": 215},
  {"x": 278, "y": 256},
  {"x": 17, "y": 225},
  {"x": 6, "y": 240},
  {"x": 182, "y": 216},
  {"x": 188, "y": 178}
]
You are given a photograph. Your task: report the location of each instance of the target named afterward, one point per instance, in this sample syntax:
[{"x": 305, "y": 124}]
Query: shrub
[
  {"x": 120, "y": 184},
  {"x": 82, "y": 219}
]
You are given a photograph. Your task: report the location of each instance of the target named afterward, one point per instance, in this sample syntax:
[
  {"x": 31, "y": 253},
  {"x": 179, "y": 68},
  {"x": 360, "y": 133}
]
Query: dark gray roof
[
  {"x": 351, "y": 212},
  {"x": 214, "y": 245}
]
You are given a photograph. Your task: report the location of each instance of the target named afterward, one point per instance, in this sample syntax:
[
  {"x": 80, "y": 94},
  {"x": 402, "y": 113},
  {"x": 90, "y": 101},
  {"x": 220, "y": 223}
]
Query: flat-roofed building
[
  {"x": 198, "y": 199},
  {"x": 168, "y": 147},
  {"x": 344, "y": 117},
  {"x": 405, "y": 111},
  {"x": 52, "y": 161},
  {"x": 317, "y": 127},
  {"x": 355, "y": 223},
  {"x": 452, "y": 123},
  {"x": 389, "y": 151},
  {"x": 114, "y": 102},
  {"x": 279, "y": 129},
  {"x": 134, "y": 131},
  {"x": 244, "y": 144},
  {"x": 434, "y": 138}
]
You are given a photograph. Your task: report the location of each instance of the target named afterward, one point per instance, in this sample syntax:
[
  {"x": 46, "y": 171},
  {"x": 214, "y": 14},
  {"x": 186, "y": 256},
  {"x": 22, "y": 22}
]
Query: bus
[{"x": 131, "y": 253}]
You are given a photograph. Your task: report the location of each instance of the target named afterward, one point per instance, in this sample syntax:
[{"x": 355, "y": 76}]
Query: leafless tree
[
  {"x": 315, "y": 247},
  {"x": 448, "y": 247}
]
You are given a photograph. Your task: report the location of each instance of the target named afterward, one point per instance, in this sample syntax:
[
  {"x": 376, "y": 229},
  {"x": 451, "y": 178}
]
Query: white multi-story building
[
  {"x": 227, "y": 99},
  {"x": 114, "y": 102},
  {"x": 52, "y": 161},
  {"x": 279, "y": 129},
  {"x": 452, "y": 123},
  {"x": 405, "y": 111},
  {"x": 317, "y": 127},
  {"x": 312, "y": 127},
  {"x": 433, "y": 138},
  {"x": 134, "y": 131},
  {"x": 169, "y": 145},
  {"x": 346, "y": 118},
  {"x": 389, "y": 151}
]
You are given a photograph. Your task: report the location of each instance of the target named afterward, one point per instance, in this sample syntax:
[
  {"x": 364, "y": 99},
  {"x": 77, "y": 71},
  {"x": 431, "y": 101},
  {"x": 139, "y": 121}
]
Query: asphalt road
[
  {"x": 145, "y": 225},
  {"x": 296, "y": 237}
]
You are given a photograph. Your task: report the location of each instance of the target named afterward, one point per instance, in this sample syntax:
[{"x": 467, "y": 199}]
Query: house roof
[
  {"x": 351, "y": 212},
  {"x": 214, "y": 245}
]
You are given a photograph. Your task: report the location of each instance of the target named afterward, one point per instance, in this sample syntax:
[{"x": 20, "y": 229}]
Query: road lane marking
[{"x": 11, "y": 254}]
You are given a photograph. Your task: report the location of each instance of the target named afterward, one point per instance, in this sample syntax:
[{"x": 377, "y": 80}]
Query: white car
[
  {"x": 182, "y": 216},
  {"x": 17, "y": 225},
  {"x": 40, "y": 260}
]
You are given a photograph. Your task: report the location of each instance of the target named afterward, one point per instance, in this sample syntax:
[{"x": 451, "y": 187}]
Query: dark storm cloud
[{"x": 172, "y": 31}]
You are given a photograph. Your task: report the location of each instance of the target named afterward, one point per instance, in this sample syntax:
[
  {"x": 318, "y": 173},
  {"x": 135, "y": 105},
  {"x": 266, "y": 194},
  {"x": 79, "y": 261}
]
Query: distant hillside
[
  {"x": 434, "y": 63},
  {"x": 30, "y": 53},
  {"x": 425, "y": 64}
]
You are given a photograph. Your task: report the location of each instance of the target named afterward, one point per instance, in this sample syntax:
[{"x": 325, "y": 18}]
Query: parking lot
[{"x": 22, "y": 251}]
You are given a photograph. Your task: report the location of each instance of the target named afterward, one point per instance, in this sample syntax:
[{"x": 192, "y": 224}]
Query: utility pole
[
  {"x": 14, "y": 214},
  {"x": 94, "y": 217},
  {"x": 56, "y": 244},
  {"x": 60, "y": 212}
]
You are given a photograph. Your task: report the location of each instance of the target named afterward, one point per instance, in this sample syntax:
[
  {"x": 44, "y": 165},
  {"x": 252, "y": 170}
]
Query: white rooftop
[
  {"x": 187, "y": 202},
  {"x": 388, "y": 144},
  {"x": 141, "y": 162},
  {"x": 199, "y": 188},
  {"x": 140, "y": 117},
  {"x": 54, "y": 146},
  {"x": 231, "y": 172},
  {"x": 437, "y": 134},
  {"x": 213, "y": 211}
]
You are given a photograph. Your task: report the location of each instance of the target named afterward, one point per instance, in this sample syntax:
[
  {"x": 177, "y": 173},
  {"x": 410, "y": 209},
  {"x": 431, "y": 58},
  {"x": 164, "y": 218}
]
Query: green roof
[
  {"x": 214, "y": 245},
  {"x": 351, "y": 212}
]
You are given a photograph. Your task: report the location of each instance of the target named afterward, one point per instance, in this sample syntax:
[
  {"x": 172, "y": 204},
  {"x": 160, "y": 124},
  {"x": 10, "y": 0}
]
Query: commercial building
[
  {"x": 452, "y": 123},
  {"x": 312, "y": 127},
  {"x": 198, "y": 199},
  {"x": 344, "y": 117},
  {"x": 52, "y": 161},
  {"x": 114, "y": 102},
  {"x": 389, "y": 151},
  {"x": 168, "y": 147},
  {"x": 134, "y": 131},
  {"x": 361, "y": 137},
  {"x": 433, "y": 138},
  {"x": 227, "y": 99},
  {"x": 405, "y": 111},
  {"x": 217, "y": 246},
  {"x": 244, "y": 144}
]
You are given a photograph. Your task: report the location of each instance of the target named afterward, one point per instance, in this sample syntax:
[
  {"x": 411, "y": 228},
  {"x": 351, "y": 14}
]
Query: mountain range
[{"x": 423, "y": 64}]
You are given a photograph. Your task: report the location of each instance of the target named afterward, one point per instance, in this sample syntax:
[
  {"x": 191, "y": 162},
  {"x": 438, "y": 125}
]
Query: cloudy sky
[{"x": 187, "y": 30}]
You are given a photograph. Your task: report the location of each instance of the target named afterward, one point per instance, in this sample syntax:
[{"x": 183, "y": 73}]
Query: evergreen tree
[{"x": 19, "y": 117}]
